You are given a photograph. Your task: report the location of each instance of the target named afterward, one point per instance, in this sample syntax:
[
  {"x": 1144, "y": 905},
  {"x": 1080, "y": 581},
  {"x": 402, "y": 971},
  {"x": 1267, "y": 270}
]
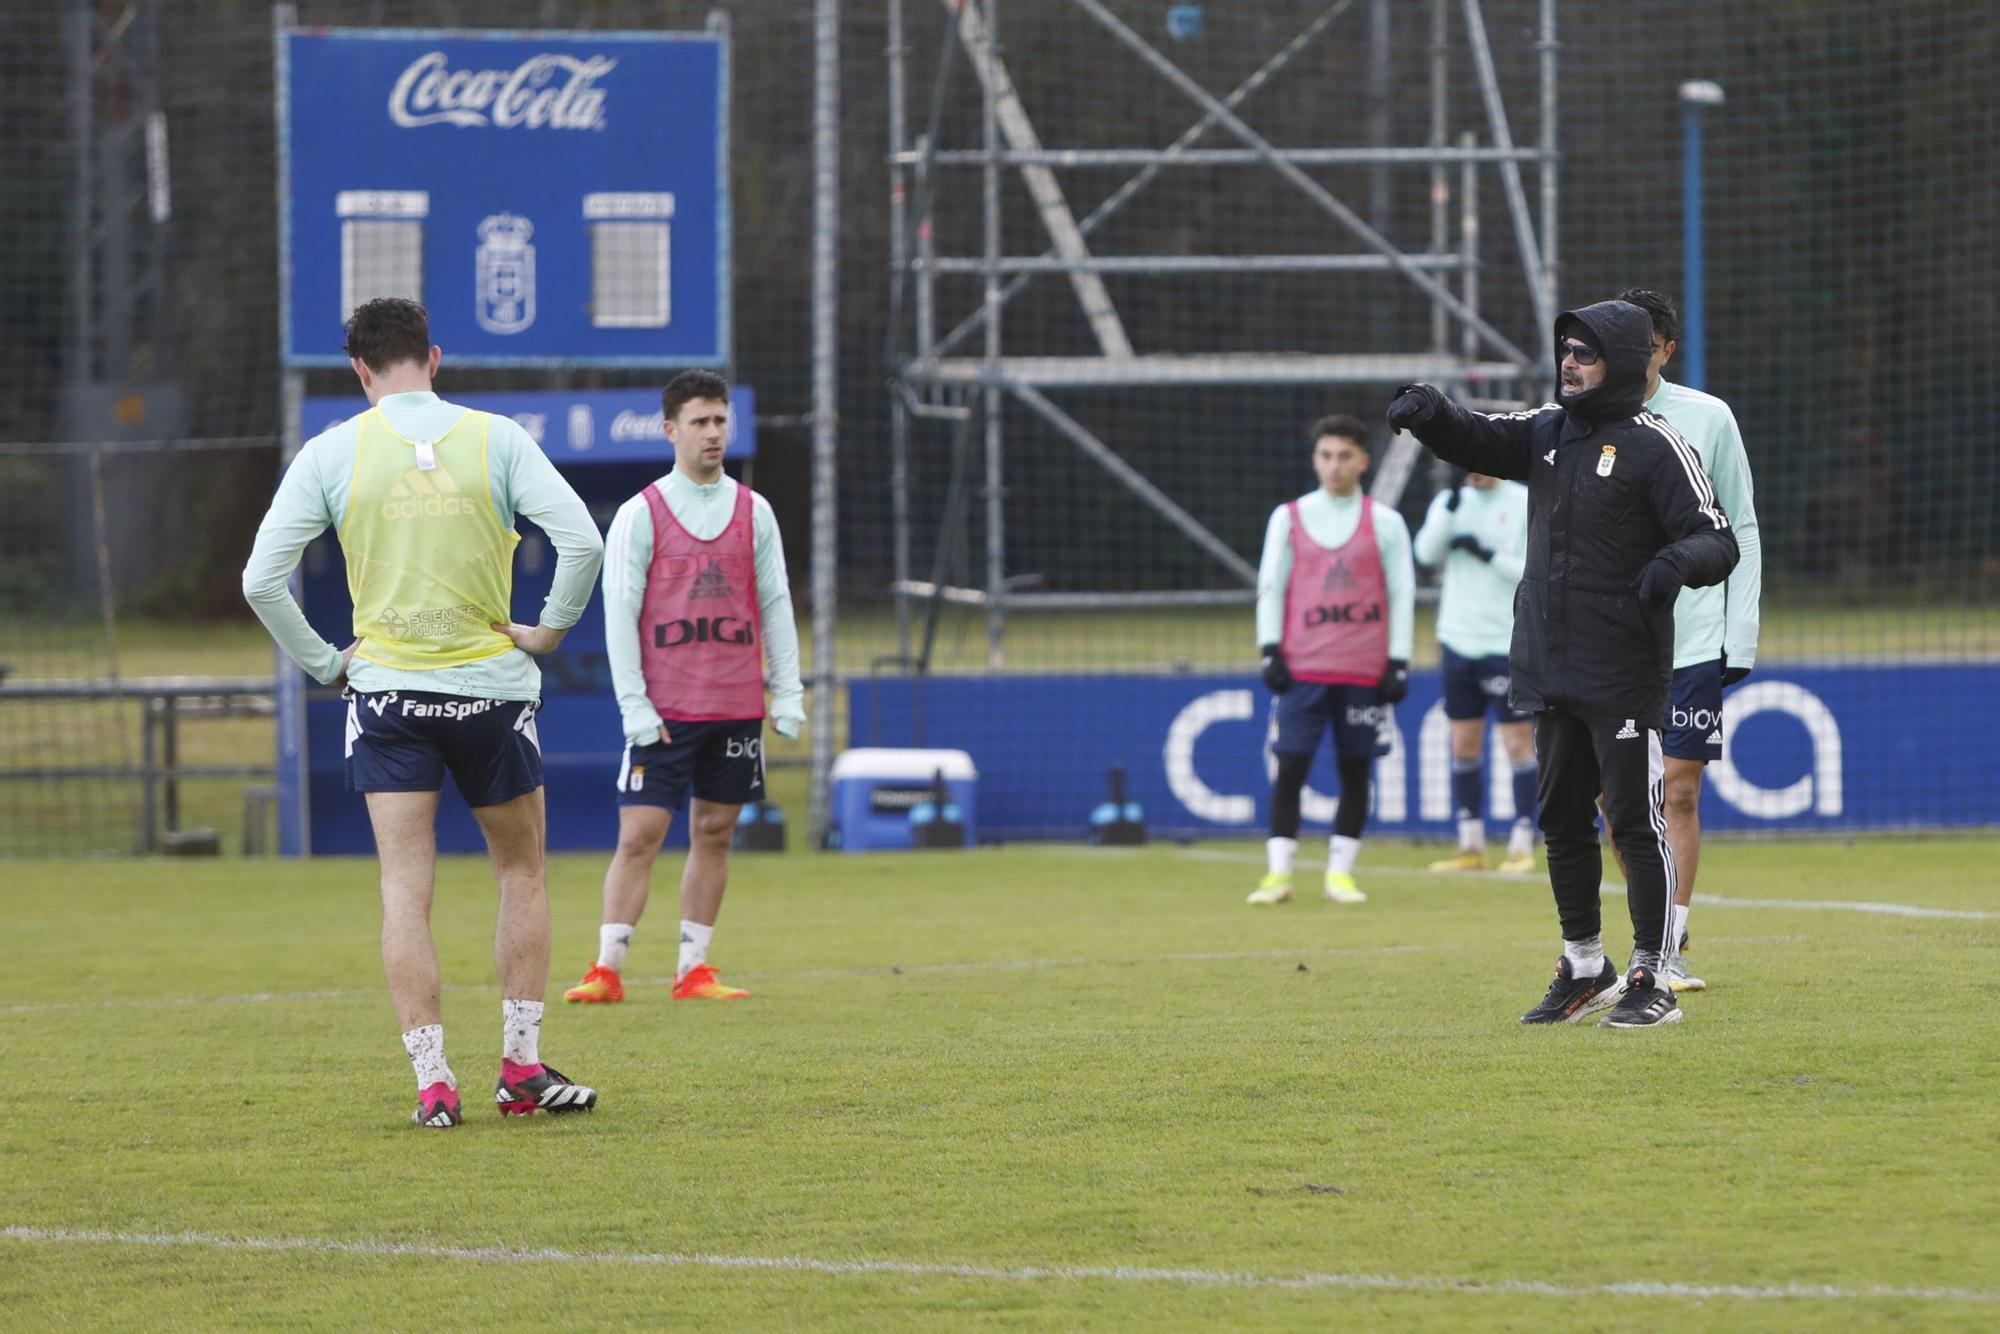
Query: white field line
[
  {"x": 1841, "y": 905},
  {"x": 1617, "y": 887},
  {"x": 1364, "y": 872},
  {"x": 1216, "y": 1278},
  {"x": 868, "y": 970}
]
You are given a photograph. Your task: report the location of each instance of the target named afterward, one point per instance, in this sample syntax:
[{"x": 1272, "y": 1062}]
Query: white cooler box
[{"x": 876, "y": 789}]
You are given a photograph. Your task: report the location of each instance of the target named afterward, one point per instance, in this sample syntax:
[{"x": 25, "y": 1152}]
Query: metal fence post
[{"x": 149, "y": 781}]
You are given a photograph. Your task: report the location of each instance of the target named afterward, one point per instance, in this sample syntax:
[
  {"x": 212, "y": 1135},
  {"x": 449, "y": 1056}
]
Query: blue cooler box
[{"x": 874, "y": 790}]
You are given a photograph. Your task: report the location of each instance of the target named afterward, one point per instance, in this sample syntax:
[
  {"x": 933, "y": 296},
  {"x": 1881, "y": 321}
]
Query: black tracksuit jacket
[{"x": 1610, "y": 486}]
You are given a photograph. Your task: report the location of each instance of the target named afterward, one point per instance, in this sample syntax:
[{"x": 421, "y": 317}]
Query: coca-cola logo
[
  {"x": 639, "y": 426},
  {"x": 547, "y": 91}
]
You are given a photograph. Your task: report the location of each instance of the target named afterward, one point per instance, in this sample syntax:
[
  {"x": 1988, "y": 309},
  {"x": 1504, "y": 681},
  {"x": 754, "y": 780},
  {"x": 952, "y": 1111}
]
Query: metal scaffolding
[{"x": 968, "y": 376}]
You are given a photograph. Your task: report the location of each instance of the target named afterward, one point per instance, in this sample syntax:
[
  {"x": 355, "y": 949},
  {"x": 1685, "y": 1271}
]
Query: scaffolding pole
[
  {"x": 825, "y": 404},
  {"x": 1465, "y": 351}
]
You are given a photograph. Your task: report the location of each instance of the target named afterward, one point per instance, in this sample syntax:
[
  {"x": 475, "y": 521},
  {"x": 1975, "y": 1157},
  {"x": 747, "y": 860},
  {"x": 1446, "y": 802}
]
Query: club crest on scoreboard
[{"x": 506, "y": 281}]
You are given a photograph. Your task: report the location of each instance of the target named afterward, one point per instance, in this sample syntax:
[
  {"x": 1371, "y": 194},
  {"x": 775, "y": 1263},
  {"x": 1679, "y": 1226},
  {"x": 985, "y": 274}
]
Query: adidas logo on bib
[
  {"x": 1715, "y": 737},
  {"x": 426, "y": 493},
  {"x": 1626, "y": 733},
  {"x": 712, "y": 583}
]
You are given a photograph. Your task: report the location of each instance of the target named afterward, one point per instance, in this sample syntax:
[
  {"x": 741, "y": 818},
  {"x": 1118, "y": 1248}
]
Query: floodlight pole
[{"x": 1695, "y": 94}]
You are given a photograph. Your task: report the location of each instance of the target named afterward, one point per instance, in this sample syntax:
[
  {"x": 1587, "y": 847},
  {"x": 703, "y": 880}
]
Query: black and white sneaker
[
  {"x": 1570, "y": 999},
  {"x": 527, "y": 1089},
  {"x": 1647, "y": 1003}
]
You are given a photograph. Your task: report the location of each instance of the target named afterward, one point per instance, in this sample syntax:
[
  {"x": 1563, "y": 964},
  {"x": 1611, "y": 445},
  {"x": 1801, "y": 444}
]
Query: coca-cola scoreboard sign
[{"x": 552, "y": 198}]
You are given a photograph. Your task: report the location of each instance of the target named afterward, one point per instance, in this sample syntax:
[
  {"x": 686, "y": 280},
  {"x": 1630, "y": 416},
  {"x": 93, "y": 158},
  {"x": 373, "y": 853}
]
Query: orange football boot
[
  {"x": 600, "y": 986},
  {"x": 701, "y": 983}
]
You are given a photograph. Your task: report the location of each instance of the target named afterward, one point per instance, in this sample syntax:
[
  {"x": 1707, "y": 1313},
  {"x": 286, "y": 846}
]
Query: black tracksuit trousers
[{"x": 1581, "y": 758}]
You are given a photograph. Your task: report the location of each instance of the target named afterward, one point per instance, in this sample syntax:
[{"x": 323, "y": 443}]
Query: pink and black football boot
[
  {"x": 437, "y": 1107},
  {"x": 526, "y": 1089}
]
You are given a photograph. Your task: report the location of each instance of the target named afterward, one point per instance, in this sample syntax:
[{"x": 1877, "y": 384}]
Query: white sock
[
  {"x": 1680, "y": 912},
  {"x": 1280, "y": 853},
  {"x": 613, "y": 939},
  {"x": 1586, "y": 957},
  {"x": 426, "y": 1048},
  {"x": 1341, "y": 854},
  {"x": 694, "y": 947},
  {"x": 1471, "y": 835},
  {"x": 521, "y": 1031},
  {"x": 1522, "y": 840}
]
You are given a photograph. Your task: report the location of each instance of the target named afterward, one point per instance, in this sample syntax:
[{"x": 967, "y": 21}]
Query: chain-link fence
[{"x": 1510, "y": 153}]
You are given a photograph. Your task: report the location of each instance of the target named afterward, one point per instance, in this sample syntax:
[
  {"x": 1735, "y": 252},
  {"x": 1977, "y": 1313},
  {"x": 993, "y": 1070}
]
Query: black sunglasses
[{"x": 1584, "y": 354}]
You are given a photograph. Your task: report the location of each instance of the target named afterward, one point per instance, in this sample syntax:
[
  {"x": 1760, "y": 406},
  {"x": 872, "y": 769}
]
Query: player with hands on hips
[{"x": 439, "y": 677}]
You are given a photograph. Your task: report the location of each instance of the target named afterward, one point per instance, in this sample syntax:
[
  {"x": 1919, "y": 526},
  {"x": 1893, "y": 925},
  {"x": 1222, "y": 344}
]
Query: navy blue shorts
[
  {"x": 1694, "y": 716},
  {"x": 722, "y": 761},
  {"x": 407, "y": 740},
  {"x": 1359, "y": 719},
  {"x": 1474, "y": 685}
]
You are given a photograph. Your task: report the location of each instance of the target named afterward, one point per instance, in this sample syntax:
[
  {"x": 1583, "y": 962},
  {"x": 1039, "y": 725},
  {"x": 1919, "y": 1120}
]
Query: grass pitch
[{"x": 1034, "y": 1087}]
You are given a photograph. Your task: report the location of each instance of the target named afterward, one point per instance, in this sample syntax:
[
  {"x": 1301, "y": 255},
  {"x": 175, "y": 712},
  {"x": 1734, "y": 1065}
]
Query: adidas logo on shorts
[{"x": 1626, "y": 733}]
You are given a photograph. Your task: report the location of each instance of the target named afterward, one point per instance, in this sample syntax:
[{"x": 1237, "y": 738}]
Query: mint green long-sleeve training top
[
  {"x": 1476, "y": 609},
  {"x": 1722, "y": 620},
  {"x": 313, "y": 497}
]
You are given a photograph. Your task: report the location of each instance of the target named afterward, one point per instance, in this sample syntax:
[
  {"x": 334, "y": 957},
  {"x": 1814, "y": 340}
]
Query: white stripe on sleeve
[
  {"x": 1704, "y": 489},
  {"x": 617, "y": 574}
]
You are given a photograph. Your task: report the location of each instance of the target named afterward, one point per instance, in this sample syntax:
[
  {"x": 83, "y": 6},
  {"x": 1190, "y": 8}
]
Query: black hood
[{"x": 1623, "y": 334}]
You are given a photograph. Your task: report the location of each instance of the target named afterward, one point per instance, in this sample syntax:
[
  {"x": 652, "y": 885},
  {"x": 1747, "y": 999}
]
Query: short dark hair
[
  {"x": 388, "y": 330},
  {"x": 1340, "y": 424},
  {"x": 690, "y": 385},
  {"x": 1659, "y": 308}
]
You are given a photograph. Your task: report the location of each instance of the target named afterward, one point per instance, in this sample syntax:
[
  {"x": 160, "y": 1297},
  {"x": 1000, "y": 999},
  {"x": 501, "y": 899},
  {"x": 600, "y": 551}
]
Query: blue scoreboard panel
[{"x": 552, "y": 198}]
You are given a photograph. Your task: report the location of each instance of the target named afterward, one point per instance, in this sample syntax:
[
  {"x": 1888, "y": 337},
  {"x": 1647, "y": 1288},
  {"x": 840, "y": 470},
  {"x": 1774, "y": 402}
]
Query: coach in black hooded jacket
[{"x": 1620, "y": 518}]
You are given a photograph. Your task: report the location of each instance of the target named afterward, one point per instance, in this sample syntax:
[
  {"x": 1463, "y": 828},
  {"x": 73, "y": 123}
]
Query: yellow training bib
[{"x": 429, "y": 567}]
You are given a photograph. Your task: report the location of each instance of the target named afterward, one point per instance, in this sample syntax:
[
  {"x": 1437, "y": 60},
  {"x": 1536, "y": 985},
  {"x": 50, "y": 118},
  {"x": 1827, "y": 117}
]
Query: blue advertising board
[
  {"x": 609, "y": 445},
  {"x": 1805, "y": 749},
  {"x": 552, "y": 198}
]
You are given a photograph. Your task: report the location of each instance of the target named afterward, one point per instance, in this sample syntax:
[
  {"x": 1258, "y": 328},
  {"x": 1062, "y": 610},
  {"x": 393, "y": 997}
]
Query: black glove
[
  {"x": 1456, "y": 490},
  {"x": 1396, "y": 682},
  {"x": 1472, "y": 546},
  {"x": 1415, "y": 405},
  {"x": 1277, "y": 676},
  {"x": 1659, "y": 583},
  {"x": 1731, "y": 675}
]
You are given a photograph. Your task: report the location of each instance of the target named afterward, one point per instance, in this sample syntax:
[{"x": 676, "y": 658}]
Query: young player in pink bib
[
  {"x": 1336, "y": 595},
  {"x": 697, "y": 611}
]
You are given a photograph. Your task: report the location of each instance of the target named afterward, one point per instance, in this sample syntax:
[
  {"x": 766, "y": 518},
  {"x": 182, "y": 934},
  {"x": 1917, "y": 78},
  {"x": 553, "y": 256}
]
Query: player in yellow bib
[
  {"x": 439, "y": 678},
  {"x": 429, "y": 564}
]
